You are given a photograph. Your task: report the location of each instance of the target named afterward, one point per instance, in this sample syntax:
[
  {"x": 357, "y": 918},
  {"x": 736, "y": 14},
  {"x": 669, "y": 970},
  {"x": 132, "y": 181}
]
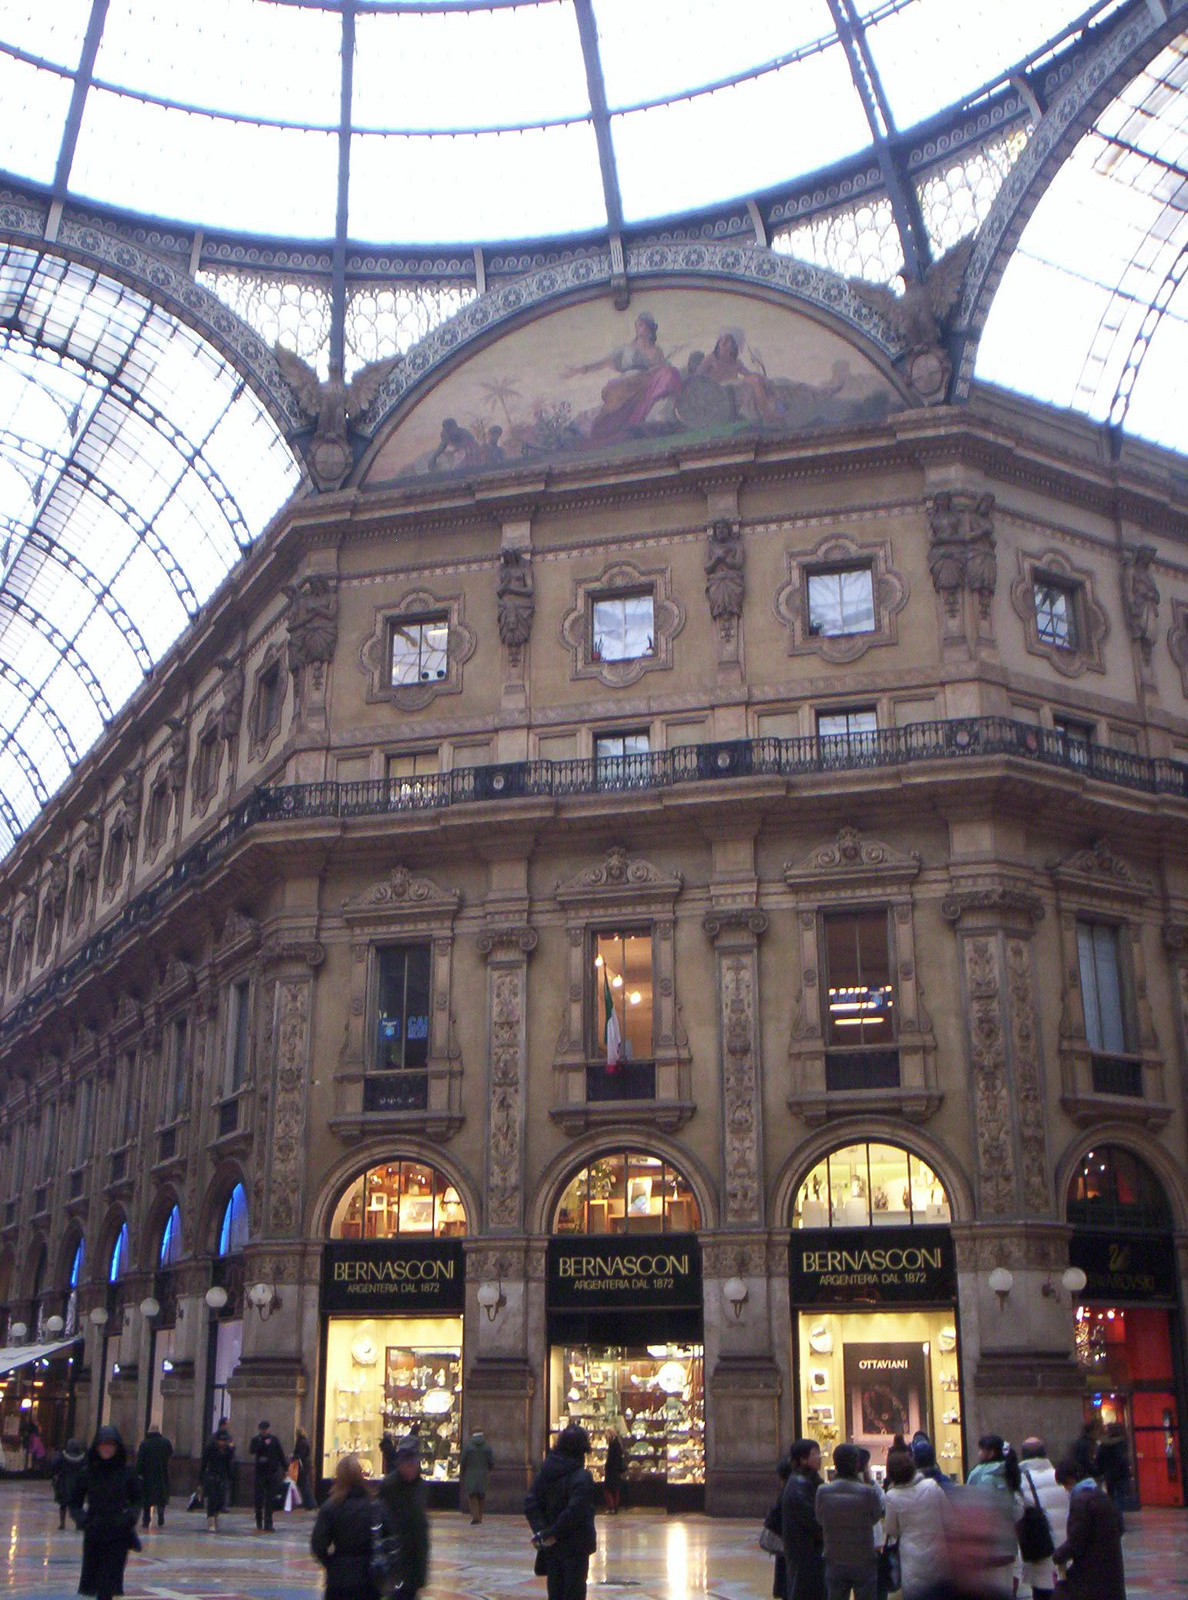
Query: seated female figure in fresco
[{"x": 646, "y": 378}]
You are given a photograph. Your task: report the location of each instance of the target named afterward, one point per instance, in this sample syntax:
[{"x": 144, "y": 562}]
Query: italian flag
[{"x": 614, "y": 1034}]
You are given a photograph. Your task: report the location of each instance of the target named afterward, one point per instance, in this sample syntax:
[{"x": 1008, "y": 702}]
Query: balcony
[
  {"x": 1098, "y": 1087},
  {"x": 396, "y": 1091},
  {"x": 958, "y": 742},
  {"x": 850, "y": 1071},
  {"x": 1117, "y": 1075},
  {"x": 630, "y": 1080}
]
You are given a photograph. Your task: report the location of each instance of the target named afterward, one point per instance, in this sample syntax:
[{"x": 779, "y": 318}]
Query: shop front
[
  {"x": 626, "y": 1326},
  {"x": 873, "y": 1293},
  {"x": 1128, "y": 1327},
  {"x": 392, "y": 1298}
]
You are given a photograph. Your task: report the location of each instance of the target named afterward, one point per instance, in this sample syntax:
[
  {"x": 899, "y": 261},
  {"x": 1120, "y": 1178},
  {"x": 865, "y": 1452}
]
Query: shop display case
[
  {"x": 653, "y": 1398},
  {"x": 379, "y": 1381}
]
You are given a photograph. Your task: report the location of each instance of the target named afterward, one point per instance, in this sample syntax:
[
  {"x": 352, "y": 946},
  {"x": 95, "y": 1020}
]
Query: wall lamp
[
  {"x": 150, "y": 1308},
  {"x": 491, "y": 1297},
  {"x": 216, "y": 1297},
  {"x": 735, "y": 1292},
  {"x": 99, "y": 1316},
  {"x": 1002, "y": 1282},
  {"x": 54, "y": 1326},
  {"x": 265, "y": 1299},
  {"x": 1073, "y": 1281},
  {"x": 18, "y": 1332}
]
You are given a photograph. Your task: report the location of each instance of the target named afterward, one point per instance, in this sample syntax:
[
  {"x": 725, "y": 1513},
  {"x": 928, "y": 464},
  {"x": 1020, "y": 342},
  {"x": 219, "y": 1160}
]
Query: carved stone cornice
[
  {"x": 852, "y": 861},
  {"x": 507, "y": 941},
  {"x": 992, "y": 903},
  {"x": 619, "y": 877},
  {"x": 1175, "y": 939},
  {"x": 279, "y": 948},
  {"x": 734, "y": 920},
  {"x": 1098, "y": 870},
  {"x": 403, "y": 893}
]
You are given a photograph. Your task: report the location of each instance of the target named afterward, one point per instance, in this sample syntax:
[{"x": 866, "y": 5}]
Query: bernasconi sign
[
  {"x": 597, "y": 1272},
  {"x": 376, "y": 1277},
  {"x": 872, "y": 1266}
]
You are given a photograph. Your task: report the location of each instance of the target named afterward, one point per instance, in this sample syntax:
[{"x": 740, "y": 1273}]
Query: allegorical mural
[{"x": 680, "y": 365}]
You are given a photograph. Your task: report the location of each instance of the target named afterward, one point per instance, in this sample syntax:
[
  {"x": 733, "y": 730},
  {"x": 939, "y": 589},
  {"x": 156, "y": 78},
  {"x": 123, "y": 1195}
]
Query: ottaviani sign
[
  {"x": 375, "y": 1277},
  {"x": 872, "y": 1266},
  {"x": 596, "y": 1272}
]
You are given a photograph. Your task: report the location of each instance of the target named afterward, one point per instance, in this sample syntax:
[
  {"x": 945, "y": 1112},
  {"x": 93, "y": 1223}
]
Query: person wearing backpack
[
  {"x": 560, "y": 1511},
  {"x": 1039, "y": 1488},
  {"x": 343, "y": 1533}
]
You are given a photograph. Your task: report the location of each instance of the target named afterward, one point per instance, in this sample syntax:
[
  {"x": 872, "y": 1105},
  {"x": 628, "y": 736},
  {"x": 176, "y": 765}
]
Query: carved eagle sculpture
[
  {"x": 334, "y": 404},
  {"x": 919, "y": 315}
]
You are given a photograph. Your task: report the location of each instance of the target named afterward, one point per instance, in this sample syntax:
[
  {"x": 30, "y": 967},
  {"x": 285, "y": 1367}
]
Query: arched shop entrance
[
  {"x": 224, "y": 1338},
  {"x": 392, "y": 1297},
  {"x": 1128, "y": 1325},
  {"x": 873, "y": 1288},
  {"x": 626, "y": 1324}
]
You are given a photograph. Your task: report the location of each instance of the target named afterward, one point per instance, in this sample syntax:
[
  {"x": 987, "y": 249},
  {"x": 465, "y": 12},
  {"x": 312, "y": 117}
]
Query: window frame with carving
[
  {"x": 417, "y": 607},
  {"x": 838, "y": 552},
  {"x": 208, "y": 765},
  {"x": 156, "y": 813},
  {"x": 266, "y": 709},
  {"x": 621, "y": 580},
  {"x": 625, "y": 896},
  {"x": 1088, "y": 621}
]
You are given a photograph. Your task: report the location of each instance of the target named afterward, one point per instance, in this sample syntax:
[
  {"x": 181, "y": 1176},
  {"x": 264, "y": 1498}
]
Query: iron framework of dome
[{"x": 182, "y": 187}]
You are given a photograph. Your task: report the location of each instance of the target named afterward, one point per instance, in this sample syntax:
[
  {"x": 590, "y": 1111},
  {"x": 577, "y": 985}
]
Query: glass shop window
[
  {"x": 626, "y": 1191},
  {"x": 402, "y": 1007},
  {"x": 399, "y": 1197},
  {"x": 870, "y": 1185},
  {"x": 859, "y": 997},
  {"x": 420, "y": 651},
  {"x": 1101, "y": 988},
  {"x": 623, "y": 996},
  {"x": 1055, "y": 613},
  {"x": 623, "y": 627},
  {"x": 1113, "y": 1189},
  {"x": 233, "y": 1228},
  {"x": 840, "y": 602}
]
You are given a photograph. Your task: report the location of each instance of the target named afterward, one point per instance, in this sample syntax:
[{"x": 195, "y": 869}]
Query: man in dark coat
[
  {"x": 152, "y": 1468},
  {"x": 110, "y": 1492},
  {"x": 218, "y": 1465},
  {"x": 271, "y": 1462},
  {"x": 1093, "y": 1543},
  {"x": 402, "y": 1494},
  {"x": 804, "y": 1545},
  {"x": 560, "y": 1511}
]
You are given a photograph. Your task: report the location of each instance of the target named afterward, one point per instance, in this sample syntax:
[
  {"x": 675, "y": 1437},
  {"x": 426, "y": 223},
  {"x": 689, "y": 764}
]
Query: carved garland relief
[
  {"x": 288, "y": 1117},
  {"x": 992, "y": 1113}
]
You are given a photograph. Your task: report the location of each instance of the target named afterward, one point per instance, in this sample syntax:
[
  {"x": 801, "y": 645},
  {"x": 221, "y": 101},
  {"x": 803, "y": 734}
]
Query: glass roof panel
[
  {"x": 35, "y": 104},
  {"x": 443, "y": 190},
  {"x": 239, "y": 56},
  {"x": 134, "y": 464},
  {"x": 741, "y": 135},
  {"x": 54, "y": 31},
  {"x": 471, "y": 69},
  {"x": 203, "y": 169}
]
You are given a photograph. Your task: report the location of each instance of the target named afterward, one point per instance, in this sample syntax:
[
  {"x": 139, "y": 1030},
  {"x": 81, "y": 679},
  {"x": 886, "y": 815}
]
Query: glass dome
[{"x": 459, "y": 121}]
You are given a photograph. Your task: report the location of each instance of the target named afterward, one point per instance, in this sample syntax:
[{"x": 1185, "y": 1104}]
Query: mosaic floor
[{"x": 643, "y": 1556}]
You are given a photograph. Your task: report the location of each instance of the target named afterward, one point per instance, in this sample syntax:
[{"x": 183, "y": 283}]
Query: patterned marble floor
[{"x": 643, "y": 1556}]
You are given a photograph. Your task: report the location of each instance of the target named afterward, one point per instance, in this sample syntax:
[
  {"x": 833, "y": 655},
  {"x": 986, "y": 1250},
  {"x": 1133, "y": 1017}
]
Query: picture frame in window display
[{"x": 886, "y": 1392}]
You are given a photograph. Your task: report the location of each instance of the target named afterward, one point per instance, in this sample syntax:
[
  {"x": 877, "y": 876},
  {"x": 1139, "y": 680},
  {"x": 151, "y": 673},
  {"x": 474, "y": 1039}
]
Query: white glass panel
[
  {"x": 1109, "y": 989},
  {"x": 73, "y": 703},
  {"x": 51, "y": 29},
  {"x": 278, "y": 61},
  {"x": 200, "y": 169},
  {"x": 485, "y": 186},
  {"x": 679, "y": 44},
  {"x": 34, "y": 104},
  {"x": 719, "y": 145},
  {"x": 468, "y": 69}
]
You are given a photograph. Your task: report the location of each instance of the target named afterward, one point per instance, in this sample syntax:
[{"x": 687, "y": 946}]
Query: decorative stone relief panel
[
  {"x": 375, "y": 654},
  {"x": 725, "y": 586},
  {"x": 1140, "y": 597},
  {"x": 855, "y": 871},
  {"x": 622, "y": 579},
  {"x": 1090, "y": 624},
  {"x": 507, "y": 949},
  {"x": 620, "y": 891},
  {"x": 889, "y": 588},
  {"x": 736, "y": 932},
  {"x": 1177, "y": 641},
  {"x": 1028, "y": 1076},
  {"x": 287, "y": 1145},
  {"x": 962, "y": 561},
  {"x": 991, "y": 1095}
]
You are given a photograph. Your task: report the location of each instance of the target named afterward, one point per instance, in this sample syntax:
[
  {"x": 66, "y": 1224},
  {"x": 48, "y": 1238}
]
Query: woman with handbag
[
  {"x": 343, "y": 1535},
  {"x": 914, "y": 1525},
  {"x": 1044, "y": 1519},
  {"x": 771, "y": 1536}
]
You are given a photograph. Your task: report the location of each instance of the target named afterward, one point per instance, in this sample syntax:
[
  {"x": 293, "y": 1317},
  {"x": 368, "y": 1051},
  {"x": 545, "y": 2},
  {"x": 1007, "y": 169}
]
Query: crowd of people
[{"x": 1018, "y": 1526}]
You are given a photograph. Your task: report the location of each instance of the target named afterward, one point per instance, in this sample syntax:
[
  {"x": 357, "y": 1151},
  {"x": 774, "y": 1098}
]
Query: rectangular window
[
  {"x": 613, "y": 746},
  {"x": 842, "y": 724},
  {"x": 1054, "y": 613},
  {"x": 1076, "y": 737},
  {"x": 82, "y": 1123},
  {"x": 128, "y": 1130},
  {"x": 859, "y": 996},
  {"x": 841, "y": 602},
  {"x": 623, "y": 628},
  {"x": 49, "y": 1141},
  {"x": 158, "y": 814},
  {"x": 208, "y": 765},
  {"x": 402, "y": 1007},
  {"x": 1101, "y": 987},
  {"x": 178, "y": 1035},
  {"x": 269, "y": 703},
  {"x": 420, "y": 651},
  {"x": 417, "y": 764},
  {"x": 239, "y": 1018},
  {"x": 622, "y": 1011}
]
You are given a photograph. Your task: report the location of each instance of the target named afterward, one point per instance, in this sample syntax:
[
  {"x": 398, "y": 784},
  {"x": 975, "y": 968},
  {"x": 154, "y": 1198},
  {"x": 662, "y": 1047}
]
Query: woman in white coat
[
  {"x": 1039, "y": 1473},
  {"x": 916, "y": 1519}
]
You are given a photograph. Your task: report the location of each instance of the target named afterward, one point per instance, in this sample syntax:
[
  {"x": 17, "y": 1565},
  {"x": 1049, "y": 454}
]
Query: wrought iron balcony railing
[{"x": 961, "y": 740}]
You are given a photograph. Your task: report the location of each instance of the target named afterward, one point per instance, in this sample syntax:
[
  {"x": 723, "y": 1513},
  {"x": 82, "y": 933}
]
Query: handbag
[
  {"x": 771, "y": 1542},
  {"x": 890, "y": 1572},
  {"x": 1033, "y": 1528},
  {"x": 385, "y": 1562}
]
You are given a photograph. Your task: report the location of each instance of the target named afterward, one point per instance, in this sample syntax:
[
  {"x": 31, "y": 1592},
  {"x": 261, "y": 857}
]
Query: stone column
[
  {"x": 503, "y": 1352},
  {"x": 182, "y": 1417},
  {"x": 507, "y": 946},
  {"x": 743, "y": 1383},
  {"x": 1019, "y": 1370}
]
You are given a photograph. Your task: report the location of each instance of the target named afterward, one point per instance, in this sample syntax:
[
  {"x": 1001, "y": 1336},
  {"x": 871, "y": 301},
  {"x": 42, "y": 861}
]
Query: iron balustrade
[
  {"x": 961, "y": 739},
  {"x": 404, "y": 1089},
  {"x": 1118, "y": 1075},
  {"x": 630, "y": 1080},
  {"x": 861, "y": 1069},
  {"x": 228, "y": 1118}
]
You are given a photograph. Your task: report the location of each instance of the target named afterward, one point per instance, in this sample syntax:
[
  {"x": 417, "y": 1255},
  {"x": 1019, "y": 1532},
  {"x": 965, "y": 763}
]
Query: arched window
[
  {"x": 76, "y": 1272},
  {"x": 170, "y": 1248},
  {"x": 399, "y": 1197},
  {"x": 1113, "y": 1189},
  {"x": 625, "y": 1191},
  {"x": 233, "y": 1230},
  {"x": 118, "y": 1264},
  {"x": 870, "y": 1185}
]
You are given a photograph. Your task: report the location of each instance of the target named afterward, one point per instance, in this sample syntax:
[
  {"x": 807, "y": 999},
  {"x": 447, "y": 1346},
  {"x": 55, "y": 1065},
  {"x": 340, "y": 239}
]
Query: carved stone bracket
[
  {"x": 1140, "y": 597},
  {"x": 725, "y": 587},
  {"x": 962, "y": 559}
]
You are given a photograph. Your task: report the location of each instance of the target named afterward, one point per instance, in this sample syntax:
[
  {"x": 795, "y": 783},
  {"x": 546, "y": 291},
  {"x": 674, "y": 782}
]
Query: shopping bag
[{"x": 292, "y": 1498}]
